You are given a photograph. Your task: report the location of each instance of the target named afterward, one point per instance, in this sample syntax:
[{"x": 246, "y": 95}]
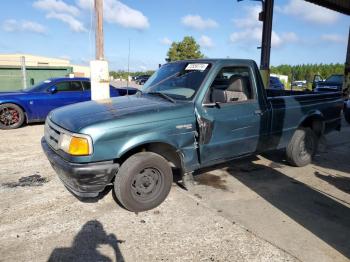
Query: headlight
[{"x": 76, "y": 145}]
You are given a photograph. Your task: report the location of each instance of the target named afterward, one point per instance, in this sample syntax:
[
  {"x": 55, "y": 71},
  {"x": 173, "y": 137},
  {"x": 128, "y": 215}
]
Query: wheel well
[
  {"x": 21, "y": 107},
  {"x": 316, "y": 123},
  {"x": 167, "y": 151}
]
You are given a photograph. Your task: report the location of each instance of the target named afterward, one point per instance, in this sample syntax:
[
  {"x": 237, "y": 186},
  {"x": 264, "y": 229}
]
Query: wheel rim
[
  {"x": 306, "y": 147},
  {"x": 9, "y": 116},
  {"x": 147, "y": 184}
]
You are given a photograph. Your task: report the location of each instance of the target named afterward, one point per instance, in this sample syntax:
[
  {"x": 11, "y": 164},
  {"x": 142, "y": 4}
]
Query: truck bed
[{"x": 289, "y": 108}]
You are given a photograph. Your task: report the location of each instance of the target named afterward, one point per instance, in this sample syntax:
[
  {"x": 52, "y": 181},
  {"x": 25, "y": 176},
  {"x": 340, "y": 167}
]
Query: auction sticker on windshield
[{"x": 196, "y": 67}]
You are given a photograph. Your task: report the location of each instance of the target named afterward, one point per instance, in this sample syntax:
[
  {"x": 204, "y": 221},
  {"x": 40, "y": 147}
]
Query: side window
[
  {"x": 232, "y": 84},
  {"x": 87, "y": 85},
  {"x": 75, "y": 86},
  {"x": 63, "y": 86}
]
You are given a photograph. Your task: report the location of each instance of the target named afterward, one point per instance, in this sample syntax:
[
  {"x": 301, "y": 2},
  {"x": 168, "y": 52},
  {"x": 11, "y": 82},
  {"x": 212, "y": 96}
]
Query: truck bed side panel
[{"x": 289, "y": 112}]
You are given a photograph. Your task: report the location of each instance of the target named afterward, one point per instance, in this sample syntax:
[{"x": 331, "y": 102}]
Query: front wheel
[
  {"x": 143, "y": 181},
  {"x": 11, "y": 116},
  {"x": 302, "y": 147}
]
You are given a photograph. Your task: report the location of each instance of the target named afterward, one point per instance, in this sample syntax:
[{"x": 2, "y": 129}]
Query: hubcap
[
  {"x": 9, "y": 116},
  {"x": 146, "y": 185}
]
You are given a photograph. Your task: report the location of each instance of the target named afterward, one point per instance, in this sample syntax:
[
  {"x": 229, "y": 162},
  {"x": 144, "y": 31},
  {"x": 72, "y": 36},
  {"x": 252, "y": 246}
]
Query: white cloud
[
  {"x": 251, "y": 30},
  {"x": 206, "y": 41},
  {"x": 74, "y": 24},
  {"x": 198, "y": 23},
  {"x": 290, "y": 37},
  {"x": 251, "y": 18},
  {"x": 119, "y": 13},
  {"x": 12, "y": 25},
  {"x": 166, "y": 41},
  {"x": 309, "y": 12},
  {"x": 56, "y": 6},
  {"x": 334, "y": 38}
]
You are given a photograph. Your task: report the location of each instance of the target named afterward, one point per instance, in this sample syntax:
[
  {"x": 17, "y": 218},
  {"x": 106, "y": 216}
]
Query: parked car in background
[
  {"x": 141, "y": 80},
  {"x": 275, "y": 83},
  {"x": 332, "y": 83},
  {"x": 34, "y": 103},
  {"x": 300, "y": 84}
]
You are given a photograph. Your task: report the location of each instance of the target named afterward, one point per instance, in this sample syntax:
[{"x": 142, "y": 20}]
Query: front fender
[{"x": 183, "y": 143}]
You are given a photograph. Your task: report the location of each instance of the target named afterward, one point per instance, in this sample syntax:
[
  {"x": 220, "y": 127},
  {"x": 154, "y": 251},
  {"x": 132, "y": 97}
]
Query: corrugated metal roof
[{"x": 342, "y": 6}]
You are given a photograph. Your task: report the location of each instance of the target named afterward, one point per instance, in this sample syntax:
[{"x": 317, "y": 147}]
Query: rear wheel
[
  {"x": 143, "y": 181},
  {"x": 11, "y": 116},
  {"x": 302, "y": 147}
]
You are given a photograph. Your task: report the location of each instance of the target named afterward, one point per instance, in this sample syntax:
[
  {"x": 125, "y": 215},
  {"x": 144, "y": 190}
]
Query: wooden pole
[{"x": 99, "y": 29}]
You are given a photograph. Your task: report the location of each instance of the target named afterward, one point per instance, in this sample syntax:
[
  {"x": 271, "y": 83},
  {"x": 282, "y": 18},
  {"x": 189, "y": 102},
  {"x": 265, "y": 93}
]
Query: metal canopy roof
[{"x": 342, "y": 6}]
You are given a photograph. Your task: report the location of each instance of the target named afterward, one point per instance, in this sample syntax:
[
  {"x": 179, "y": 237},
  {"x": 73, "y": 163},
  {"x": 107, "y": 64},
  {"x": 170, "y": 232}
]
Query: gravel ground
[{"x": 40, "y": 220}]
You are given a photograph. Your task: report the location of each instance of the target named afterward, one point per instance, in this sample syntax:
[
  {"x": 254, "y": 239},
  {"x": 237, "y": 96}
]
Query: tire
[
  {"x": 143, "y": 181},
  {"x": 302, "y": 147},
  {"x": 11, "y": 116}
]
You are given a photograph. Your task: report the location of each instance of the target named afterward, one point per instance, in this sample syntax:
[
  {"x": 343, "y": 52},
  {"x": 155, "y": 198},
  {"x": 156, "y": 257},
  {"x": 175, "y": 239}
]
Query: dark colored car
[
  {"x": 333, "y": 83},
  {"x": 275, "y": 83},
  {"x": 141, "y": 80},
  {"x": 190, "y": 115},
  {"x": 34, "y": 103}
]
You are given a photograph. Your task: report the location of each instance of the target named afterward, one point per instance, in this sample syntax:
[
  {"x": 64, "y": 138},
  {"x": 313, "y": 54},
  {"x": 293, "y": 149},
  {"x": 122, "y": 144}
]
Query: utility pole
[
  {"x": 266, "y": 17},
  {"x": 346, "y": 85},
  {"x": 99, "y": 29},
  {"x": 127, "y": 83},
  {"x": 99, "y": 67}
]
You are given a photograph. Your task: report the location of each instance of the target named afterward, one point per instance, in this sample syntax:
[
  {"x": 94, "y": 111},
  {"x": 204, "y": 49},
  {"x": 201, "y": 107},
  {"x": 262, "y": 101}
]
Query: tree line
[
  {"x": 308, "y": 71},
  {"x": 121, "y": 74},
  {"x": 188, "y": 48}
]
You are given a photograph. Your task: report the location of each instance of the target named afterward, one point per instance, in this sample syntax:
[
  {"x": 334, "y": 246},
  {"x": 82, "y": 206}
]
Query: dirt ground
[{"x": 258, "y": 209}]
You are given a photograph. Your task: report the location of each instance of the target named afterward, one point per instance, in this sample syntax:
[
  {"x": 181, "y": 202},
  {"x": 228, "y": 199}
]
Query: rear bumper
[{"x": 83, "y": 180}]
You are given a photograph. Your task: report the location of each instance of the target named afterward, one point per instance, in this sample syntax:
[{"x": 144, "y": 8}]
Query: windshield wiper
[{"x": 163, "y": 95}]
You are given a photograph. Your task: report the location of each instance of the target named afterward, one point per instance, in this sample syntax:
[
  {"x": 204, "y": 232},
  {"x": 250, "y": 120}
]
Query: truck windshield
[{"x": 179, "y": 80}]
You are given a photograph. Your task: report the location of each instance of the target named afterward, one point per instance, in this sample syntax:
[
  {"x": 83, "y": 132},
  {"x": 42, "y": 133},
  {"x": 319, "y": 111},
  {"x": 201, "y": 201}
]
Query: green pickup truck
[{"x": 189, "y": 115}]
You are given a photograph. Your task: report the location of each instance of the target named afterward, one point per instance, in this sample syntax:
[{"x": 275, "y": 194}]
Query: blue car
[
  {"x": 34, "y": 104},
  {"x": 275, "y": 83}
]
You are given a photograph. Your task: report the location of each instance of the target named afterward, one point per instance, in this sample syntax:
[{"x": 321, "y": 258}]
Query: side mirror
[{"x": 52, "y": 89}]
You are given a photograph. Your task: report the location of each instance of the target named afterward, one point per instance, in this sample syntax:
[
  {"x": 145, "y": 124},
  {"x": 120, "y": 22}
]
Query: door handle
[{"x": 258, "y": 112}]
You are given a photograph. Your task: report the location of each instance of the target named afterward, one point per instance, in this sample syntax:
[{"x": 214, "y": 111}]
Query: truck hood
[{"x": 118, "y": 112}]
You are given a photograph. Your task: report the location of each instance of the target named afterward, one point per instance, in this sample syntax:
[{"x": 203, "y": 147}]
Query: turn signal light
[{"x": 79, "y": 146}]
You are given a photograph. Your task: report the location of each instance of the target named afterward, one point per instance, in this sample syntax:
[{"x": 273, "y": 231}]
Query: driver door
[
  {"x": 231, "y": 119},
  {"x": 66, "y": 93}
]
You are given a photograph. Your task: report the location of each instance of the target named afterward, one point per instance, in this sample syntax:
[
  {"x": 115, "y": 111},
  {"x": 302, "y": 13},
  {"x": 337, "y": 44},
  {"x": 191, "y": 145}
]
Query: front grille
[{"x": 52, "y": 134}]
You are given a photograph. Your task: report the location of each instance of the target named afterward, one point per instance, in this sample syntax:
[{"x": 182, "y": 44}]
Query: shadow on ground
[
  {"x": 86, "y": 243},
  {"x": 326, "y": 218}
]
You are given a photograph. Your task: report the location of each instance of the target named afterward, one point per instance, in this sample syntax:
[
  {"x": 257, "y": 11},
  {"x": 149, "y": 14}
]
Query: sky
[{"x": 302, "y": 32}]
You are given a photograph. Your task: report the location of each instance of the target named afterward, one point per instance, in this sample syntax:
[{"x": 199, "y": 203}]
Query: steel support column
[
  {"x": 346, "y": 86},
  {"x": 266, "y": 16}
]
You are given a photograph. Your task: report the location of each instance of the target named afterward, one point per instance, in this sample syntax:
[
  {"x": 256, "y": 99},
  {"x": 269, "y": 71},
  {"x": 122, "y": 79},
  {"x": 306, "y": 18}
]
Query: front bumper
[{"x": 84, "y": 180}]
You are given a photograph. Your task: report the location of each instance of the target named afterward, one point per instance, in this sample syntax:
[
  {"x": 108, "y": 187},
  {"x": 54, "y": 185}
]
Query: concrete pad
[
  {"x": 40, "y": 220},
  {"x": 304, "y": 211}
]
